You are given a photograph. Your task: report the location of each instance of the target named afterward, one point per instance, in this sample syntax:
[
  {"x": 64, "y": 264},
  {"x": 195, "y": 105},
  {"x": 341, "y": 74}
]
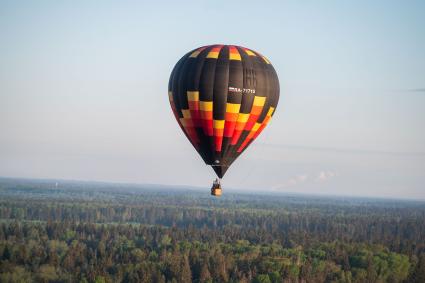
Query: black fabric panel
[
  {"x": 276, "y": 87},
  {"x": 206, "y": 93},
  {"x": 249, "y": 82},
  {"x": 173, "y": 84},
  {"x": 235, "y": 81},
  {"x": 206, "y": 82},
  {"x": 181, "y": 85},
  {"x": 195, "y": 73},
  {"x": 221, "y": 83},
  {"x": 268, "y": 91},
  {"x": 220, "y": 170},
  {"x": 260, "y": 76}
]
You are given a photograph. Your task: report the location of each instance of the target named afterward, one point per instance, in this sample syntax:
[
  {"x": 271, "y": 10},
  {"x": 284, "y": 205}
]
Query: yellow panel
[
  {"x": 206, "y": 105},
  {"x": 259, "y": 100},
  {"x": 265, "y": 59},
  {"x": 170, "y": 95},
  {"x": 195, "y": 54},
  {"x": 186, "y": 113},
  {"x": 193, "y": 95},
  {"x": 218, "y": 124},
  {"x": 183, "y": 122},
  {"x": 212, "y": 54},
  {"x": 232, "y": 107},
  {"x": 235, "y": 56},
  {"x": 243, "y": 117},
  {"x": 256, "y": 126},
  {"x": 270, "y": 112},
  {"x": 249, "y": 52}
]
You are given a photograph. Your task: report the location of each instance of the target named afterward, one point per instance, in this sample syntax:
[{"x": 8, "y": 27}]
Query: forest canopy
[{"x": 94, "y": 232}]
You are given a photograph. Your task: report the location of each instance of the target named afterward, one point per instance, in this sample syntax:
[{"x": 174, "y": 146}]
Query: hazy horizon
[
  {"x": 83, "y": 93},
  {"x": 142, "y": 187}
]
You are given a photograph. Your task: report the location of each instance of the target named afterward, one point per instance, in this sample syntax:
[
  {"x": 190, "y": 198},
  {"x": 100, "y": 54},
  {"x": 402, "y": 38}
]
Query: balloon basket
[{"x": 216, "y": 188}]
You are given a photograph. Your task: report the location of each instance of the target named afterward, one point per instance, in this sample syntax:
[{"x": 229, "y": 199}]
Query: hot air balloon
[{"x": 223, "y": 96}]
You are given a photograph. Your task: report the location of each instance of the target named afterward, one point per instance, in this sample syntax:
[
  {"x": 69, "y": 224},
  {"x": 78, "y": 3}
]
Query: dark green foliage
[{"x": 79, "y": 234}]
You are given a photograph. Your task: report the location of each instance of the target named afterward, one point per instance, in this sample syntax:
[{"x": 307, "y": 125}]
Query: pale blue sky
[{"x": 83, "y": 92}]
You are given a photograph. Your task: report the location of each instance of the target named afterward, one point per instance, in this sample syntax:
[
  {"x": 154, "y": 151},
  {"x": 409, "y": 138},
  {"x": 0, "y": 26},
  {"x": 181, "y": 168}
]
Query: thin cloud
[
  {"x": 324, "y": 176},
  {"x": 296, "y": 180},
  {"x": 417, "y": 90},
  {"x": 343, "y": 150},
  {"x": 319, "y": 177}
]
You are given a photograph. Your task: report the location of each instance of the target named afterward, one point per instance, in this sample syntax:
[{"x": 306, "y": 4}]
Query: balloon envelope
[{"x": 223, "y": 96}]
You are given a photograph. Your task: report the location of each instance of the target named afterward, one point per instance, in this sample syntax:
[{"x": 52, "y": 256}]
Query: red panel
[
  {"x": 232, "y": 117},
  {"x": 216, "y": 48},
  {"x": 207, "y": 122},
  {"x": 261, "y": 128},
  {"x": 233, "y": 49},
  {"x": 230, "y": 124},
  {"x": 208, "y": 127},
  {"x": 229, "y": 128},
  {"x": 206, "y": 115},
  {"x": 196, "y": 118},
  {"x": 256, "y": 110},
  {"x": 251, "y": 121},
  {"x": 194, "y": 105},
  {"x": 246, "y": 141},
  {"x": 252, "y": 136},
  {"x": 235, "y": 138},
  {"x": 218, "y": 139}
]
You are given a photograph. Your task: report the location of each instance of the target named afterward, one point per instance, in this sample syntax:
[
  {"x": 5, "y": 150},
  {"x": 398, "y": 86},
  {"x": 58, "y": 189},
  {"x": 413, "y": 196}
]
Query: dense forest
[{"x": 94, "y": 232}]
